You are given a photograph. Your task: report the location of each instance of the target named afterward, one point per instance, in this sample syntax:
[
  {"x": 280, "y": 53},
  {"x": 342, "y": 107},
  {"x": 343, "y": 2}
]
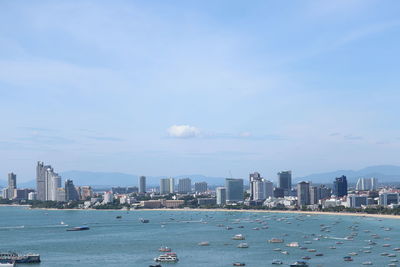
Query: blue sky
[{"x": 207, "y": 87}]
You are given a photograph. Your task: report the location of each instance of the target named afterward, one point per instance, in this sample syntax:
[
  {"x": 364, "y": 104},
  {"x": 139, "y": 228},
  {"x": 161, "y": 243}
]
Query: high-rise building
[
  {"x": 167, "y": 186},
  {"x": 253, "y": 179},
  {"x": 184, "y": 186},
  {"x": 388, "y": 198},
  {"x": 268, "y": 189},
  {"x": 22, "y": 194},
  {"x": 221, "y": 195},
  {"x": 85, "y": 192},
  {"x": 41, "y": 180},
  {"x": 234, "y": 190},
  {"x": 314, "y": 196},
  {"x": 54, "y": 182},
  {"x": 108, "y": 197},
  {"x": 71, "y": 194},
  {"x": 340, "y": 186},
  {"x": 356, "y": 201},
  {"x": 200, "y": 187},
  {"x": 367, "y": 184},
  {"x": 285, "y": 181},
  {"x": 142, "y": 184},
  {"x": 12, "y": 185},
  {"x": 324, "y": 192},
  {"x": 303, "y": 193},
  {"x": 258, "y": 188},
  {"x": 32, "y": 196}
]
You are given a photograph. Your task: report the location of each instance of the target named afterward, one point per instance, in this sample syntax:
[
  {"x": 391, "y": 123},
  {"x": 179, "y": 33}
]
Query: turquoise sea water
[{"x": 128, "y": 242}]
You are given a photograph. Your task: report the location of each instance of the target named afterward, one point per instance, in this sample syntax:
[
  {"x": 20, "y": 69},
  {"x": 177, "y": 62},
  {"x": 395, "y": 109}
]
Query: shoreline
[{"x": 382, "y": 216}]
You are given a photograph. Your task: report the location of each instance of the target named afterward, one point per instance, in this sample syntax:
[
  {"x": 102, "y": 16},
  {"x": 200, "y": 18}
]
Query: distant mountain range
[{"x": 384, "y": 173}]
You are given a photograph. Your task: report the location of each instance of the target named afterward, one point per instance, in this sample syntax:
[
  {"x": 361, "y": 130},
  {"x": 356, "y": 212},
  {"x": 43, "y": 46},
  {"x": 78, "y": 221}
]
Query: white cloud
[{"x": 183, "y": 131}]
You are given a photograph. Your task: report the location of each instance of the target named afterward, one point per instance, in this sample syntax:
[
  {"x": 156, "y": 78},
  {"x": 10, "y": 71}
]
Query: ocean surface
[{"x": 128, "y": 242}]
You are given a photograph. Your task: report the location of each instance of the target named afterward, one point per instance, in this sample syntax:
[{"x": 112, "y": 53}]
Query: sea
[{"x": 129, "y": 242}]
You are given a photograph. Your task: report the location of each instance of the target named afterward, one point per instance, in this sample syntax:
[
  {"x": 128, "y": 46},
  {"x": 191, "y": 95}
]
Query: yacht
[
  {"x": 8, "y": 257},
  {"x": 239, "y": 237},
  {"x": 167, "y": 257},
  {"x": 243, "y": 245}
]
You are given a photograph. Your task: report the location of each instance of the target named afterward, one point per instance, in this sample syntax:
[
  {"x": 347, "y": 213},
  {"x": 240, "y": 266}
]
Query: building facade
[
  {"x": 303, "y": 193},
  {"x": 221, "y": 195},
  {"x": 340, "y": 186},
  {"x": 184, "y": 186},
  {"x": 142, "y": 184},
  {"x": 285, "y": 181},
  {"x": 200, "y": 187},
  {"x": 234, "y": 190}
]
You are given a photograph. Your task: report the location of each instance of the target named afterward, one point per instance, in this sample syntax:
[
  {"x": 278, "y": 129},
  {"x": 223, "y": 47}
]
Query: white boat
[
  {"x": 275, "y": 240},
  {"x": 367, "y": 263},
  {"x": 167, "y": 257},
  {"x": 293, "y": 244},
  {"x": 277, "y": 262},
  {"x": 243, "y": 245},
  {"x": 7, "y": 264},
  {"x": 204, "y": 243},
  {"x": 239, "y": 237}
]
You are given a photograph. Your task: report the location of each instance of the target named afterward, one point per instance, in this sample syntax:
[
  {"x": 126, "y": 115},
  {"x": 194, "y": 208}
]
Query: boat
[
  {"x": 157, "y": 265},
  {"x": 144, "y": 220},
  {"x": 118, "y": 217},
  {"x": 299, "y": 264},
  {"x": 347, "y": 258},
  {"x": 164, "y": 249},
  {"x": 285, "y": 252},
  {"x": 306, "y": 257},
  {"x": 78, "y": 228},
  {"x": 14, "y": 257},
  {"x": 293, "y": 244},
  {"x": 353, "y": 254},
  {"x": 167, "y": 257},
  {"x": 275, "y": 240},
  {"x": 239, "y": 264},
  {"x": 367, "y": 263},
  {"x": 311, "y": 250},
  {"x": 277, "y": 262},
  {"x": 243, "y": 245},
  {"x": 7, "y": 264},
  {"x": 319, "y": 254},
  {"x": 239, "y": 237},
  {"x": 204, "y": 243}
]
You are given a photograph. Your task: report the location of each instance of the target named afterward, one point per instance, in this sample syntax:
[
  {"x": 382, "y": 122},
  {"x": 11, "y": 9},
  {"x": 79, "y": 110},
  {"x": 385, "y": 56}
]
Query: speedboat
[
  {"x": 79, "y": 228},
  {"x": 144, "y": 220},
  {"x": 347, "y": 258},
  {"x": 299, "y": 264},
  {"x": 243, "y": 245},
  {"x": 204, "y": 243},
  {"x": 367, "y": 263},
  {"x": 275, "y": 240},
  {"x": 277, "y": 262},
  {"x": 239, "y": 264}
]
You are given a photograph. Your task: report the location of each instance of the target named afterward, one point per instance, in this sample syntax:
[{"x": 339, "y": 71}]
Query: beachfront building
[
  {"x": 221, "y": 195},
  {"x": 367, "y": 184},
  {"x": 340, "y": 186},
  {"x": 285, "y": 181},
  {"x": 234, "y": 190},
  {"x": 142, "y": 184},
  {"x": 303, "y": 193},
  {"x": 200, "y": 187},
  {"x": 184, "y": 186}
]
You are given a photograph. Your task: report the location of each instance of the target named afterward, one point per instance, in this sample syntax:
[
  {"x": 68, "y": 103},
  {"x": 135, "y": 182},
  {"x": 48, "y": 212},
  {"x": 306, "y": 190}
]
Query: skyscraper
[
  {"x": 142, "y": 184},
  {"x": 184, "y": 185},
  {"x": 340, "y": 186},
  {"x": 200, "y": 187},
  {"x": 71, "y": 194},
  {"x": 41, "y": 180},
  {"x": 234, "y": 190},
  {"x": 12, "y": 184},
  {"x": 221, "y": 195},
  {"x": 167, "y": 186},
  {"x": 367, "y": 184},
  {"x": 268, "y": 189},
  {"x": 303, "y": 193},
  {"x": 285, "y": 181},
  {"x": 314, "y": 196},
  {"x": 254, "y": 178}
]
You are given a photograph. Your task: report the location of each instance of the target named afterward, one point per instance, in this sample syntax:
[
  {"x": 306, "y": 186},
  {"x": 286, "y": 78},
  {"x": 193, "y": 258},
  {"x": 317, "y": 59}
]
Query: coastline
[{"x": 381, "y": 216}]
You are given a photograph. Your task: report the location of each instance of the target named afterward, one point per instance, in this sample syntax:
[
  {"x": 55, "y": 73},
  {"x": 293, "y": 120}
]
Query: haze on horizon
[{"x": 186, "y": 87}]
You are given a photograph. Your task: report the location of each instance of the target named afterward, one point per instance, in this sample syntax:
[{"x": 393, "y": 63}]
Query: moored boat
[
  {"x": 78, "y": 228},
  {"x": 13, "y": 257}
]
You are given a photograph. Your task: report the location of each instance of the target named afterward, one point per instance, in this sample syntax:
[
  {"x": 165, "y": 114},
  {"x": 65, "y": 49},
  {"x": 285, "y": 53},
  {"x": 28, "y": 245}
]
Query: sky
[{"x": 199, "y": 87}]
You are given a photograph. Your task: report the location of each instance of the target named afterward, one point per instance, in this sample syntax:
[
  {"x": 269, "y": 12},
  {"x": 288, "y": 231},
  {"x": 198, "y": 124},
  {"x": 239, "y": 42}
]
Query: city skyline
[{"x": 199, "y": 88}]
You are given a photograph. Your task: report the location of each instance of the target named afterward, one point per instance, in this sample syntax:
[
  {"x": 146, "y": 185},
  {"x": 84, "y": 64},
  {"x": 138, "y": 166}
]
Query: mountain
[{"x": 384, "y": 173}]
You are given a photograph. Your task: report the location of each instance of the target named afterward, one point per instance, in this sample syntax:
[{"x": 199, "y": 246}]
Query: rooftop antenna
[{"x": 230, "y": 173}]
